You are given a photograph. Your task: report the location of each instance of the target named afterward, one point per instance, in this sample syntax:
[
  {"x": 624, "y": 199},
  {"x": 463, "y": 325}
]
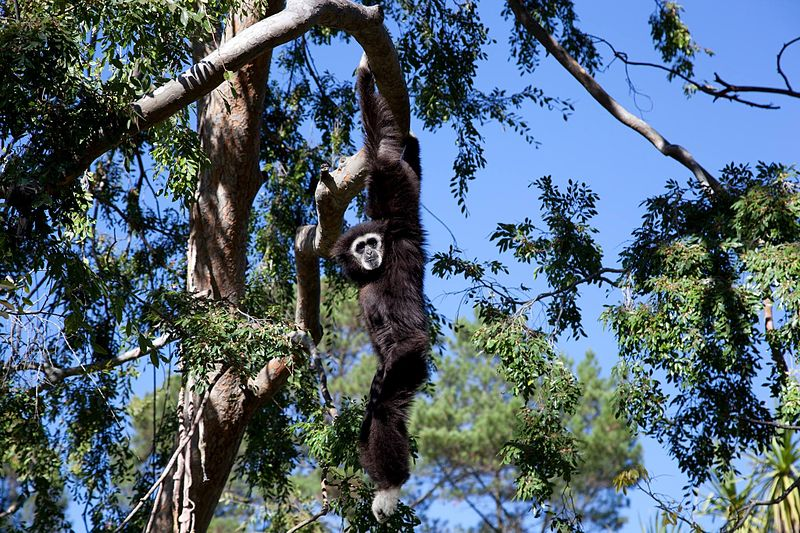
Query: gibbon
[{"x": 385, "y": 257}]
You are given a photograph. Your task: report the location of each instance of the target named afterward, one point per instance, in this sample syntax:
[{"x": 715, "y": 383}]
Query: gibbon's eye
[
  {"x": 360, "y": 247},
  {"x": 372, "y": 242}
]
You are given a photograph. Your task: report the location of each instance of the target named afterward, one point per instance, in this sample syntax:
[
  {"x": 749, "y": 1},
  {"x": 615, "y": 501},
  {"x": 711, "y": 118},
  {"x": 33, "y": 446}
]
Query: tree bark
[{"x": 229, "y": 127}]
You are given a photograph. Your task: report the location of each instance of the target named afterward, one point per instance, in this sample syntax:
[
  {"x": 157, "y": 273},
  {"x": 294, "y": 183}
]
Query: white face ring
[{"x": 368, "y": 250}]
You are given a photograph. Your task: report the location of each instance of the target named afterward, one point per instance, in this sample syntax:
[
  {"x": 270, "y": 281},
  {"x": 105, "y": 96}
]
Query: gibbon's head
[
  {"x": 362, "y": 250},
  {"x": 367, "y": 250}
]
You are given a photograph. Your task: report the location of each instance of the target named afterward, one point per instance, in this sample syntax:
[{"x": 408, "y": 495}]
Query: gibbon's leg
[{"x": 385, "y": 448}]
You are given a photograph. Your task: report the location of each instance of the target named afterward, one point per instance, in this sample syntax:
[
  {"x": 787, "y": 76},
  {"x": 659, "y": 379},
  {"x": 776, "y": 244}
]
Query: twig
[
  {"x": 676, "y": 152},
  {"x": 772, "y": 423},
  {"x": 183, "y": 442},
  {"x": 472, "y": 506},
  {"x": 778, "y": 60},
  {"x": 586, "y": 279},
  {"x": 308, "y": 521},
  {"x": 702, "y": 87},
  {"x": 644, "y": 486}
]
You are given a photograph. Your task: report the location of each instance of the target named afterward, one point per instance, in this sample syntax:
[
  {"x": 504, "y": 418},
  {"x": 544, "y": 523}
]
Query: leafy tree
[{"x": 127, "y": 233}]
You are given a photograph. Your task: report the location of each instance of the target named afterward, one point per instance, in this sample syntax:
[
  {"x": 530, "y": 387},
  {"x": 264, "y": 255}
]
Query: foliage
[
  {"x": 699, "y": 272},
  {"x": 92, "y": 268},
  {"x": 771, "y": 476},
  {"x": 472, "y": 414}
]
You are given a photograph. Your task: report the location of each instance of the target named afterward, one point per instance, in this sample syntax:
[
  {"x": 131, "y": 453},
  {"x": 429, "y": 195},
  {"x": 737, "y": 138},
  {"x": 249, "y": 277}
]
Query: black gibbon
[{"x": 384, "y": 256}]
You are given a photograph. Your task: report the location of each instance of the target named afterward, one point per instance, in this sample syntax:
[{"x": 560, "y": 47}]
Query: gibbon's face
[{"x": 368, "y": 251}]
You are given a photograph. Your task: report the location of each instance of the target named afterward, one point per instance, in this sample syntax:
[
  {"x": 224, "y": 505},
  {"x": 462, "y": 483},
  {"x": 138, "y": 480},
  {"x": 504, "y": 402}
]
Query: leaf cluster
[{"x": 690, "y": 343}]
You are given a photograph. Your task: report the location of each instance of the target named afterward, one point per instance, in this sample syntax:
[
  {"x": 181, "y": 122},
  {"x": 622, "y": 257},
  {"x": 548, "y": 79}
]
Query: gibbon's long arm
[{"x": 394, "y": 161}]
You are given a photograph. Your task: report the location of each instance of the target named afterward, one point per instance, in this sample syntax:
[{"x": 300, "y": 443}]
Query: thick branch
[
  {"x": 334, "y": 192},
  {"x": 362, "y": 22},
  {"x": 676, "y": 152}
]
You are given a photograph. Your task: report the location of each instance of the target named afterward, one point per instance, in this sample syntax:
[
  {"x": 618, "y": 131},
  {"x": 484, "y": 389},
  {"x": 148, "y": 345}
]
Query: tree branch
[
  {"x": 15, "y": 506},
  {"x": 702, "y": 87},
  {"x": 362, "y": 22},
  {"x": 676, "y": 152},
  {"x": 334, "y": 192},
  {"x": 778, "y": 61},
  {"x": 56, "y": 374}
]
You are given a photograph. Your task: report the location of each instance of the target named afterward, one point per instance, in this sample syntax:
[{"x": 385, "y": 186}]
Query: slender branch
[
  {"x": 55, "y": 374},
  {"x": 672, "y": 508},
  {"x": 311, "y": 519},
  {"x": 731, "y": 88},
  {"x": 772, "y": 423},
  {"x": 747, "y": 509},
  {"x": 364, "y": 23},
  {"x": 676, "y": 152},
  {"x": 472, "y": 506},
  {"x": 183, "y": 442},
  {"x": 778, "y": 61},
  {"x": 15, "y": 506},
  {"x": 700, "y": 86},
  {"x": 596, "y": 276}
]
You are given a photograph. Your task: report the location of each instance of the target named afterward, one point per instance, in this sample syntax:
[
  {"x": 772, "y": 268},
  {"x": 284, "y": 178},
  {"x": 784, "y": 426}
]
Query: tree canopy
[{"x": 173, "y": 176}]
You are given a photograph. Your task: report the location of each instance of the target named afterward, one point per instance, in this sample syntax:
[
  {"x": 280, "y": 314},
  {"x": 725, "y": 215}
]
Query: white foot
[{"x": 385, "y": 502}]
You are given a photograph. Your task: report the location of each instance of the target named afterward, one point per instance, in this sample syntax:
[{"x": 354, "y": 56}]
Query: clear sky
[{"x": 622, "y": 167}]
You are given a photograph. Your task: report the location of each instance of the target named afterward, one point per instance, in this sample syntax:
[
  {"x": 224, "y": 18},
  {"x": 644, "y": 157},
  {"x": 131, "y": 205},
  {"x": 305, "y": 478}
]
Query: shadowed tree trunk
[
  {"x": 229, "y": 122},
  {"x": 229, "y": 125}
]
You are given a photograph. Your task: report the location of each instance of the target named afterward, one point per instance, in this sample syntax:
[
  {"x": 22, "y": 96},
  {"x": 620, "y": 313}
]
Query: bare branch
[
  {"x": 676, "y": 152},
  {"x": 700, "y": 86},
  {"x": 362, "y": 22},
  {"x": 55, "y": 374},
  {"x": 596, "y": 276},
  {"x": 729, "y": 88},
  {"x": 778, "y": 61},
  {"x": 773, "y": 423},
  {"x": 334, "y": 192}
]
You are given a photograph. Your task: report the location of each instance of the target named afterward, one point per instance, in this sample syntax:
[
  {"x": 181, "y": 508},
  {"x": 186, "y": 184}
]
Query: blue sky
[{"x": 618, "y": 164}]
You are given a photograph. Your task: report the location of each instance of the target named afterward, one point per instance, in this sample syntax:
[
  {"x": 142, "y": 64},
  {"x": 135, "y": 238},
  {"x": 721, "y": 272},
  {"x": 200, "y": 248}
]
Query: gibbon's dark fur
[{"x": 391, "y": 297}]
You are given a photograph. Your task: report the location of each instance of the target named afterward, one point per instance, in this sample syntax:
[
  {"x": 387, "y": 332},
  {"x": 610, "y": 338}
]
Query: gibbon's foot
[{"x": 385, "y": 502}]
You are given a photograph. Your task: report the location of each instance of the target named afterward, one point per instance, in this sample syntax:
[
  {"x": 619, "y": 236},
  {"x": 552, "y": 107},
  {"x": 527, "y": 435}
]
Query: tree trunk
[{"x": 229, "y": 128}]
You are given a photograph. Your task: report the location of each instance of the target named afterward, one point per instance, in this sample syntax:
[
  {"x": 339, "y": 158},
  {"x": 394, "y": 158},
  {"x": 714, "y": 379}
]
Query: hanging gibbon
[{"x": 385, "y": 257}]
